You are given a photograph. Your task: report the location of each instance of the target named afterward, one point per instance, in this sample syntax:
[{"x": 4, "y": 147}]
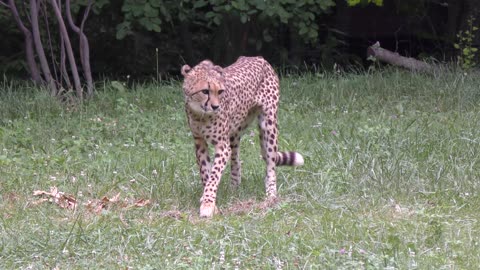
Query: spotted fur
[{"x": 220, "y": 103}]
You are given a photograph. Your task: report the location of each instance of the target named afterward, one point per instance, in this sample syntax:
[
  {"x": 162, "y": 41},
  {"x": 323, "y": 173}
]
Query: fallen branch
[{"x": 396, "y": 59}]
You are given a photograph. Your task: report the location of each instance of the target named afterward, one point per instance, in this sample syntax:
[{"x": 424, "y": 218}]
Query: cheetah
[{"x": 220, "y": 103}]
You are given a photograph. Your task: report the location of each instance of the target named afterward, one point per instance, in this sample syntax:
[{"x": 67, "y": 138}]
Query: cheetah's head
[{"x": 203, "y": 87}]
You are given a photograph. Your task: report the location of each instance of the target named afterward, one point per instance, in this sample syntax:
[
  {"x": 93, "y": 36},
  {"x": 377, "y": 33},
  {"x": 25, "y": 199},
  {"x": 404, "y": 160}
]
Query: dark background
[{"x": 189, "y": 31}]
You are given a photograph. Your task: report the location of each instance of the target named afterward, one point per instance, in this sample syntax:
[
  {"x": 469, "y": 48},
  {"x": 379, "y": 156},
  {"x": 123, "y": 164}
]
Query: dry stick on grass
[{"x": 396, "y": 59}]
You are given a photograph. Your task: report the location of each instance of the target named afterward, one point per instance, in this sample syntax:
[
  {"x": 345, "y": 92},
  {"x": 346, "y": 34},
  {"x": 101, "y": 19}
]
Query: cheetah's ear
[
  {"x": 219, "y": 69},
  {"x": 185, "y": 70}
]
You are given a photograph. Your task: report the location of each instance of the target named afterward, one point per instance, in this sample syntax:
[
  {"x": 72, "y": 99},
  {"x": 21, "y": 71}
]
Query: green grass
[{"x": 391, "y": 179}]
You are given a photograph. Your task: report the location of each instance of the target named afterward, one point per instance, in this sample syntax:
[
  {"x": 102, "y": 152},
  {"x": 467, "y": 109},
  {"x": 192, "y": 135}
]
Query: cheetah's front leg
[
  {"x": 222, "y": 155},
  {"x": 203, "y": 159}
]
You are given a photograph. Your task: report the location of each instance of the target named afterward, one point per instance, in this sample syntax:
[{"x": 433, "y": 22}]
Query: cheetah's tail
[{"x": 289, "y": 159}]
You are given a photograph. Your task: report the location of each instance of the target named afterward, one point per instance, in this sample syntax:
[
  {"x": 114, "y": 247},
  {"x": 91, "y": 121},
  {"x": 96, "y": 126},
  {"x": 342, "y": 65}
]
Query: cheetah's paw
[{"x": 207, "y": 209}]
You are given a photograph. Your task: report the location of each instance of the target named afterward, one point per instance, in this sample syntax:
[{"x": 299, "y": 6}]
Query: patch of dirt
[{"x": 245, "y": 207}]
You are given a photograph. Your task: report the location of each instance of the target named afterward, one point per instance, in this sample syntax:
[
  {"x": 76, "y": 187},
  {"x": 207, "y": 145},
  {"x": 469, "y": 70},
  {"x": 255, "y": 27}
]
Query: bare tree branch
[{"x": 85, "y": 15}]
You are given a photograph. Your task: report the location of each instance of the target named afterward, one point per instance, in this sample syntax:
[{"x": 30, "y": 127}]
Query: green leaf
[
  {"x": 353, "y": 2},
  {"x": 326, "y": 5},
  {"x": 165, "y": 13},
  {"x": 266, "y": 36},
  {"x": 126, "y": 8},
  {"x": 123, "y": 29},
  {"x": 240, "y": 5},
  {"x": 216, "y": 20},
  {"x": 118, "y": 86},
  {"x": 310, "y": 15},
  {"x": 260, "y": 4},
  {"x": 283, "y": 14},
  {"x": 377, "y": 2},
  {"x": 303, "y": 30},
  {"x": 182, "y": 16},
  {"x": 137, "y": 10},
  {"x": 200, "y": 4},
  {"x": 150, "y": 11},
  {"x": 210, "y": 15},
  {"x": 243, "y": 18},
  {"x": 156, "y": 28},
  {"x": 146, "y": 23},
  {"x": 156, "y": 20},
  {"x": 155, "y": 3},
  {"x": 312, "y": 34}
]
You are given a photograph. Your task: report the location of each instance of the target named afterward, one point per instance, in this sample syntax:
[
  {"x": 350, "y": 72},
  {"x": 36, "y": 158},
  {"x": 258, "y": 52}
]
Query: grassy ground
[{"x": 391, "y": 180}]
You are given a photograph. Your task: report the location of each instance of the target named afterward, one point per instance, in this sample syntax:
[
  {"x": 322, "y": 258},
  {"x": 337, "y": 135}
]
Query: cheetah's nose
[{"x": 215, "y": 107}]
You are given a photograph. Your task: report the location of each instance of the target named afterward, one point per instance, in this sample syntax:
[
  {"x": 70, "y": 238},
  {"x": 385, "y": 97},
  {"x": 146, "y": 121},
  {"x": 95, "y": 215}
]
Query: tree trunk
[
  {"x": 68, "y": 48},
  {"x": 29, "y": 50},
  {"x": 84, "y": 47},
  {"x": 39, "y": 48}
]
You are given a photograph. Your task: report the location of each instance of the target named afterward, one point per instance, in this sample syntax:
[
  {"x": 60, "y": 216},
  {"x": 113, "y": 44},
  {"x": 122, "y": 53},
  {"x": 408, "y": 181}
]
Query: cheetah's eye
[
  {"x": 205, "y": 91},
  {"x": 221, "y": 91}
]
